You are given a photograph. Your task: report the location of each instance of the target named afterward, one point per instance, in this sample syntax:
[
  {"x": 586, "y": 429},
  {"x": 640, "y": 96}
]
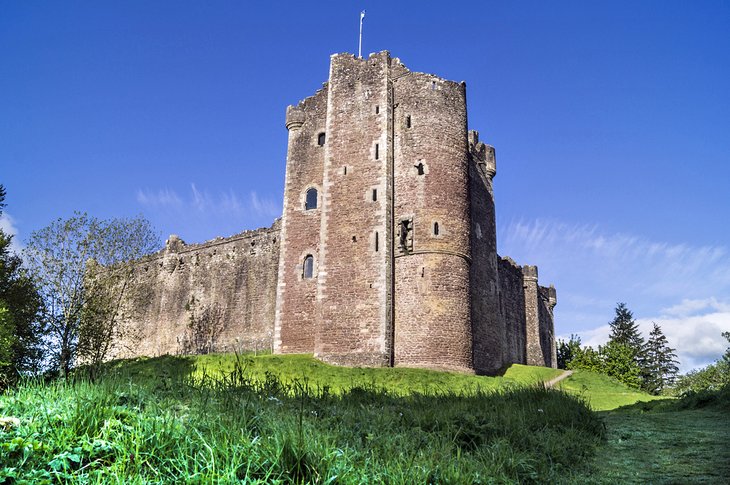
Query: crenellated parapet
[{"x": 482, "y": 155}]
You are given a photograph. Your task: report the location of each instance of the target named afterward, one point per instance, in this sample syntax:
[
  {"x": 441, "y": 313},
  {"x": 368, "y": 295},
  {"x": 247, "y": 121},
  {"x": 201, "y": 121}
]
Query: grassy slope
[
  {"x": 602, "y": 392},
  {"x": 152, "y": 423},
  {"x": 317, "y": 374}
]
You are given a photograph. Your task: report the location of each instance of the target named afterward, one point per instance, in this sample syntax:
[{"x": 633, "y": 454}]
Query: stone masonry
[{"x": 385, "y": 254}]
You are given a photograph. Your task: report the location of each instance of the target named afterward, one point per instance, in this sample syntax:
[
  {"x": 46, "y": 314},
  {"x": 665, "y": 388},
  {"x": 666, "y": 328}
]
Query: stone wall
[
  {"x": 512, "y": 308},
  {"x": 488, "y": 324},
  {"x": 432, "y": 267},
  {"x": 229, "y": 282},
  {"x": 354, "y": 269}
]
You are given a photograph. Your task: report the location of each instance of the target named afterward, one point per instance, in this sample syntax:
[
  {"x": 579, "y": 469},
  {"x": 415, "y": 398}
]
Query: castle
[{"x": 385, "y": 254}]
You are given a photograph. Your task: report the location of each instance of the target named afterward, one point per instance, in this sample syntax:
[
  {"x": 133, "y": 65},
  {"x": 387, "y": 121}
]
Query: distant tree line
[
  {"x": 650, "y": 365},
  {"x": 62, "y": 303}
]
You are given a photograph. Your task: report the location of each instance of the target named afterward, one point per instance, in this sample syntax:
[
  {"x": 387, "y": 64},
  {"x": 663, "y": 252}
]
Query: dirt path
[{"x": 562, "y": 376}]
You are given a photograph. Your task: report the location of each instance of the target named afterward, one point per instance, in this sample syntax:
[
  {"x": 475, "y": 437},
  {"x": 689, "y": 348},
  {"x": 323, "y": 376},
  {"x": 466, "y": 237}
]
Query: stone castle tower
[
  {"x": 385, "y": 254},
  {"x": 388, "y": 243}
]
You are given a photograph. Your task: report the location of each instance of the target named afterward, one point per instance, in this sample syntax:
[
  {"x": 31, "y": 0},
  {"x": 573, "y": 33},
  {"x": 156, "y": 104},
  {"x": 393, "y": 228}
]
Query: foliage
[
  {"x": 613, "y": 359},
  {"x": 624, "y": 329},
  {"x": 82, "y": 266},
  {"x": 619, "y": 362},
  {"x": 177, "y": 428},
  {"x": 567, "y": 351},
  {"x": 660, "y": 370},
  {"x": 20, "y": 332},
  {"x": 714, "y": 377}
]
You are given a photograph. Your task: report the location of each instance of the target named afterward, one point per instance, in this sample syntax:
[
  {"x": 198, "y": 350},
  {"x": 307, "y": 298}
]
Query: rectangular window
[
  {"x": 377, "y": 243},
  {"x": 377, "y": 151},
  {"x": 375, "y": 195}
]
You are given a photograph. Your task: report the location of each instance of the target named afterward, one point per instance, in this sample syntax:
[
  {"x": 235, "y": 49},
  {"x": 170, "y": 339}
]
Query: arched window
[
  {"x": 308, "y": 270},
  {"x": 435, "y": 228},
  {"x": 321, "y": 139},
  {"x": 311, "y": 200}
]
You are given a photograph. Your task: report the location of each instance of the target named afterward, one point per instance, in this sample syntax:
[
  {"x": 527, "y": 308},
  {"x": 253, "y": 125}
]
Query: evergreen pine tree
[
  {"x": 624, "y": 330},
  {"x": 660, "y": 370}
]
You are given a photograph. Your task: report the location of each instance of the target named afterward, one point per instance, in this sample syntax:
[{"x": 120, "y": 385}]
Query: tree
[
  {"x": 710, "y": 378},
  {"x": 20, "y": 332},
  {"x": 619, "y": 362},
  {"x": 83, "y": 266},
  {"x": 586, "y": 358},
  {"x": 624, "y": 329},
  {"x": 567, "y": 351},
  {"x": 661, "y": 362}
]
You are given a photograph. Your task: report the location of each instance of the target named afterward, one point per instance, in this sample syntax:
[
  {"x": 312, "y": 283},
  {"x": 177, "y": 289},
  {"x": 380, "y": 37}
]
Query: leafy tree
[
  {"x": 20, "y": 332},
  {"x": 661, "y": 368},
  {"x": 711, "y": 378},
  {"x": 586, "y": 358},
  {"x": 619, "y": 362},
  {"x": 567, "y": 351},
  {"x": 83, "y": 266}
]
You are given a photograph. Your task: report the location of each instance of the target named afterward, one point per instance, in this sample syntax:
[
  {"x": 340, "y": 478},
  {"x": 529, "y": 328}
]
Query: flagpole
[{"x": 359, "y": 45}]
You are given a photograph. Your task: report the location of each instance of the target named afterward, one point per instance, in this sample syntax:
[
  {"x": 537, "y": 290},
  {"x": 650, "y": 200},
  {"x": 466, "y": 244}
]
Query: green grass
[
  {"x": 666, "y": 442},
  {"x": 602, "y": 392},
  {"x": 167, "y": 420},
  {"x": 292, "y": 419},
  {"x": 289, "y": 368}
]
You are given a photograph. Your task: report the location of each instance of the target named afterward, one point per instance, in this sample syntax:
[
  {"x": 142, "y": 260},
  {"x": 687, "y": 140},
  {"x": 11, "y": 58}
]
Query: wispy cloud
[
  {"x": 7, "y": 225},
  {"x": 161, "y": 197},
  {"x": 679, "y": 286},
  {"x": 202, "y": 214}
]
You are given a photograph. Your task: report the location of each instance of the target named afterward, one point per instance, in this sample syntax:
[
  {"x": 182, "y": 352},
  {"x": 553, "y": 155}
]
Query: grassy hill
[
  {"x": 601, "y": 392},
  {"x": 219, "y": 419},
  {"x": 292, "y": 419},
  {"x": 316, "y": 374}
]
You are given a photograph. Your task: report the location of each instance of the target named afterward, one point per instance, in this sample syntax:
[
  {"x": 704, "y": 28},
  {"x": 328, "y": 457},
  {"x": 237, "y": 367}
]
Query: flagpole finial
[{"x": 359, "y": 45}]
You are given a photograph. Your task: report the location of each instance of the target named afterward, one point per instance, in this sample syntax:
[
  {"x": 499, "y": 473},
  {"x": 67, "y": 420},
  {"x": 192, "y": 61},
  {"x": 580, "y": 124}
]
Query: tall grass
[{"x": 188, "y": 427}]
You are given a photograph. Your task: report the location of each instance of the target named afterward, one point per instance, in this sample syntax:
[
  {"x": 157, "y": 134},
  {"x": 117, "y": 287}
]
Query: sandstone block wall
[{"x": 231, "y": 280}]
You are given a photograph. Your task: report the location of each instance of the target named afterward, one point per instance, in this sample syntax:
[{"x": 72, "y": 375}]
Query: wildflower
[{"x": 10, "y": 422}]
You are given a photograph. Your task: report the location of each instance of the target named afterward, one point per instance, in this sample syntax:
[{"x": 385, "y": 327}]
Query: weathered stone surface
[
  {"x": 235, "y": 275},
  {"x": 392, "y": 262}
]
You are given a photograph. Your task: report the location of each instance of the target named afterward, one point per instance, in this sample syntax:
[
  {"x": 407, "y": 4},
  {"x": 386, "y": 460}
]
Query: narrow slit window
[
  {"x": 377, "y": 151},
  {"x": 311, "y": 199},
  {"x": 375, "y": 195},
  {"x": 377, "y": 109},
  {"x": 308, "y": 269},
  {"x": 377, "y": 242},
  {"x": 344, "y": 170},
  {"x": 435, "y": 228},
  {"x": 321, "y": 139},
  {"x": 408, "y": 121}
]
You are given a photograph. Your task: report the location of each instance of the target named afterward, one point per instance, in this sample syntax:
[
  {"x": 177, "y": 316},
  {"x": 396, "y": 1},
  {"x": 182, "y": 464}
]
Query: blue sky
[{"x": 611, "y": 124}]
